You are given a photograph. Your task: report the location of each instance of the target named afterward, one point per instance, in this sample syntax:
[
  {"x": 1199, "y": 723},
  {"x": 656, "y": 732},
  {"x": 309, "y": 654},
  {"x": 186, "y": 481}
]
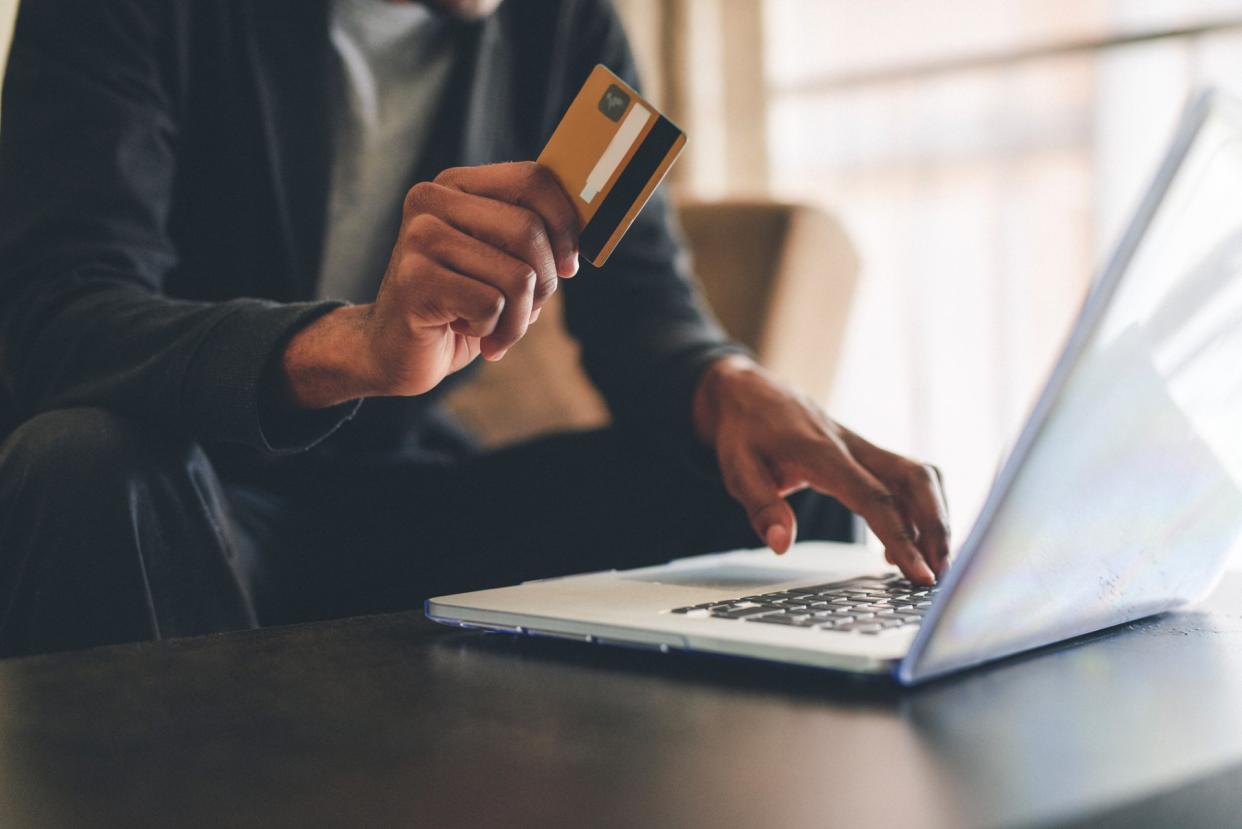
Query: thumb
[{"x": 751, "y": 484}]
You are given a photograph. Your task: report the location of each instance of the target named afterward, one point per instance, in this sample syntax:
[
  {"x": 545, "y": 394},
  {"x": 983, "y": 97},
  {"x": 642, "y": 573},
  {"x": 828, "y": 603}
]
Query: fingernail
[
  {"x": 777, "y": 538},
  {"x": 497, "y": 357},
  {"x": 534, "y": 315},
  {"x": 569, "y": 267}
]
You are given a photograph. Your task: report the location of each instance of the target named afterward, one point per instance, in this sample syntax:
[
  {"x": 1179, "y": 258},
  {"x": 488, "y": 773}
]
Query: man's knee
[
  {"x": 110, "y": 531},
  {"x": 87, "y": 447}
]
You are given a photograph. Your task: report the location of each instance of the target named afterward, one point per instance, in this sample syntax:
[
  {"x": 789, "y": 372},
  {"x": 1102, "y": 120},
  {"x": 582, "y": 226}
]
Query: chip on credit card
[{"x": 610, "y": 152}]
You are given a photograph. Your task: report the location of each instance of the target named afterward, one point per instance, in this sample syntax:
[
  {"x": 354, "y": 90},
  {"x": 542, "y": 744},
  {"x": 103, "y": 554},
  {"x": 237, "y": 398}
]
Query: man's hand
[
  {"x": 771, "y": 443},
  {"x": 479, "y": 252}
]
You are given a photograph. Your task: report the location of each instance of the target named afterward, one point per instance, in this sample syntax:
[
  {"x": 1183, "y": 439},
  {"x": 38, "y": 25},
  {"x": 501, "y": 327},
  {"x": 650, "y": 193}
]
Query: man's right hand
[{"x": 479, "y": 252}]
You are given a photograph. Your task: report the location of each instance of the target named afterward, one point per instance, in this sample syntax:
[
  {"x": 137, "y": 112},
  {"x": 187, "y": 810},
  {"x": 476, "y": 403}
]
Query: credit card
[{"x": 610, "y": 152}]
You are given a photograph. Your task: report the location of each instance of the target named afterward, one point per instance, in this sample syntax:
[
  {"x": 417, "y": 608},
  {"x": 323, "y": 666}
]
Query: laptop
[{"x": 1121, "y": 497}]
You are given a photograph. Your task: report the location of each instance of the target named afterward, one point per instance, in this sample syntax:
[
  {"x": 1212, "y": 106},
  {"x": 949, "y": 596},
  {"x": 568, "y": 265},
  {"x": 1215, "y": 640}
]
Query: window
[{"x": 984, "y": 155}]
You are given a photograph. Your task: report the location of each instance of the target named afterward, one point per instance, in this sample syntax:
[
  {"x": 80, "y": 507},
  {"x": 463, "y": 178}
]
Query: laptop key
[
  {"x": 774, "y": 620},
  {"x": 741, "y": 613}
]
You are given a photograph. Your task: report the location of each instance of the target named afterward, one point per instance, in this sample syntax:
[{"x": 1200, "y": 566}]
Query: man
[{"x": 202, "y": 436}]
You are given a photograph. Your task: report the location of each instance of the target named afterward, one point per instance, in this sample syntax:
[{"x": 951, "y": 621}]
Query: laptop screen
[{"x": 1128, "y": 498}]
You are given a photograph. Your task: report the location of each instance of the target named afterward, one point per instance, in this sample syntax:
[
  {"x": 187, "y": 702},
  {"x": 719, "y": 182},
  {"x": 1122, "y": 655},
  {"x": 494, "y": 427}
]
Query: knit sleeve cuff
[{"x": 231, "y": 388}]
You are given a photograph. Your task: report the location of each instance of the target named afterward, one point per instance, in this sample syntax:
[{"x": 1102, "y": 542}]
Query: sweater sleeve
[{"x": 88, "y": 157}]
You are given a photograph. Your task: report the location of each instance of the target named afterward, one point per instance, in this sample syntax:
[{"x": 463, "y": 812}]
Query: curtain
[
  {"x": 8, "y": 11},
  {"x": 702, "y": 63}
]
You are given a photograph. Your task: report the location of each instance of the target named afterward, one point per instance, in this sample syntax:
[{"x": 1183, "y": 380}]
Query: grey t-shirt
[{"x": 393, "y": 61}]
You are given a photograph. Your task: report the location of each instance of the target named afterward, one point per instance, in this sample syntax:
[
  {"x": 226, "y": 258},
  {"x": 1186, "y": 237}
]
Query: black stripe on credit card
[{"x": 625, "y": 190}]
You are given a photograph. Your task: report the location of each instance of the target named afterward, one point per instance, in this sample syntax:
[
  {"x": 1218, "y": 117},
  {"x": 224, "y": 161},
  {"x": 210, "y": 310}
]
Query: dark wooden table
[{"x": 391, "y": 721}]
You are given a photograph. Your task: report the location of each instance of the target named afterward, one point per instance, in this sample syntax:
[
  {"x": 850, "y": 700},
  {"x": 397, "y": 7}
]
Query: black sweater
[{"x": 163, "y": 175}]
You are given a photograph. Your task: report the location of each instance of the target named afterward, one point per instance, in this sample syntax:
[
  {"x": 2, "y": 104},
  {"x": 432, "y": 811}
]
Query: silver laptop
[{"x": 1121, "y": 498}]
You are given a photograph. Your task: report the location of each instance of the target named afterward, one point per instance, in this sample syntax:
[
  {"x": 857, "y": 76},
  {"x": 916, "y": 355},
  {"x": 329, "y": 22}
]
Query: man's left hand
[{"x": 770, "y": 442}]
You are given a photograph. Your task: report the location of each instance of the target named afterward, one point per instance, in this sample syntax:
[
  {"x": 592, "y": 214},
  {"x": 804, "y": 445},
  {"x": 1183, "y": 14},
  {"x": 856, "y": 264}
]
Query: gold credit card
[{"x": 610, "y": 152}]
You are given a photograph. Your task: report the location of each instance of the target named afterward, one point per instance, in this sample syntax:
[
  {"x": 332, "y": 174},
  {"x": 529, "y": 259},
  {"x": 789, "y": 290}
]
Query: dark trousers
[{"x": 111, "y": 531}]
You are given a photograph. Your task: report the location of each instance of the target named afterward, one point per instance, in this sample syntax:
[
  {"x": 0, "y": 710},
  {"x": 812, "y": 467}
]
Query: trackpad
[{"x": 742, "y": 577}]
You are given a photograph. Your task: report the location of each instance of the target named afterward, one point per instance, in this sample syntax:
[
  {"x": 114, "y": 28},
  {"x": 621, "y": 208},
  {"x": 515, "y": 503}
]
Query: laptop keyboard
[{"x": 870, "y": 605}]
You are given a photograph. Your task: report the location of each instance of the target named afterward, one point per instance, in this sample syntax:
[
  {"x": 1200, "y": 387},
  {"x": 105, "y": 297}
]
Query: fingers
[
  {"x": 534, "y": 187},
  {"x": 924, "y": 495},
  {"x": 920, "y": 491},
  {"x": 837, "y": 473},
  {"x": 480, "y": 261},
  {"x": 879, "y": 508},
  {"x": 514, "y": 230},
  {"x": 748, "y": 480},
  {"x": 471, "y": 307}
]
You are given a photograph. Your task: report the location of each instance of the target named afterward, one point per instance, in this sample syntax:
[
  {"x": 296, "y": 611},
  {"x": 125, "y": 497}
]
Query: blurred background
[{"x": 980, "y": 155}]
